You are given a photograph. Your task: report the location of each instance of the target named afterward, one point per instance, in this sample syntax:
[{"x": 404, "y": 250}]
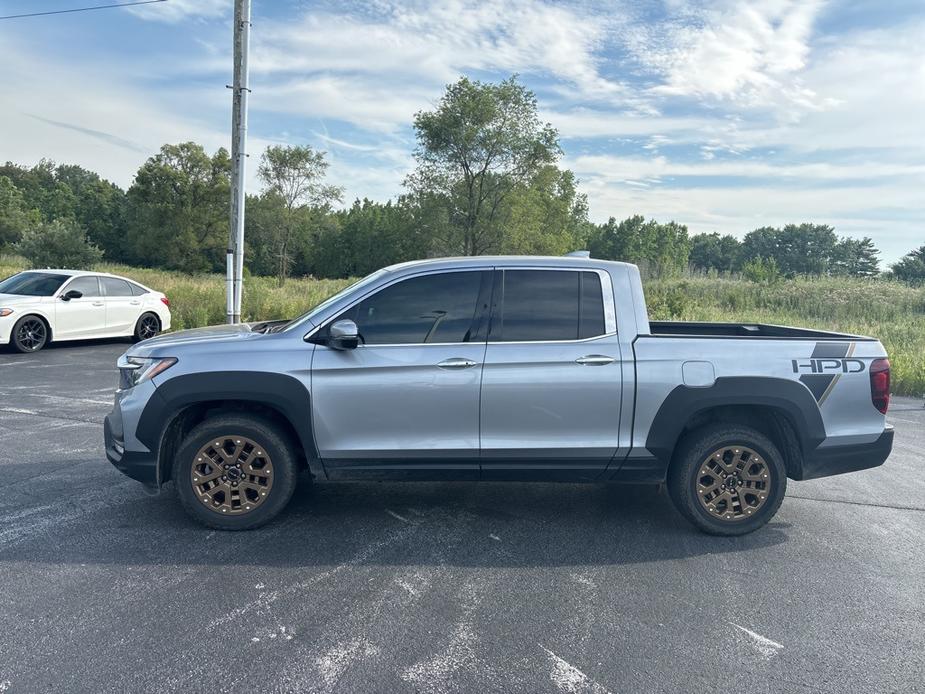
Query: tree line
[{"x": 487, "y": 180}]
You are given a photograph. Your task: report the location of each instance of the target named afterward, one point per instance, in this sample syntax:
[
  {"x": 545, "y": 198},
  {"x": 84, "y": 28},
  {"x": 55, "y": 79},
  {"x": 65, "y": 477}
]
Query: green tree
[
  {"x": 15, "y": 218},
  {"x": 365, "y": 237},
  {"x": 98, "y": 206},
  {"x": 546, "y": 216},
  {"x": 61, "y": 243},
  {"x": 761, "y": 270},
  {"x": 911, "y": 267},
  {"x": 294, "y": 179},
  {"x": 480, "y": 143},
  {"x": 715, "y": 252},
  {"x": 798, "y": 249},
  {"x": 659, "y": 249},
  {"x": 178, "y": 209},
  {"x": 855, "y": 258}
]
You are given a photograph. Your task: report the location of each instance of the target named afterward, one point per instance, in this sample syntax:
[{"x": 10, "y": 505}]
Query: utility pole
[{"x": 234, "y": 263}]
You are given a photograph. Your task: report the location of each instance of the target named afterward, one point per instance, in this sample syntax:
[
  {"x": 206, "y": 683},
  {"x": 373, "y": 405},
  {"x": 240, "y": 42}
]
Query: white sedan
[{"x": 38, "y": 306}]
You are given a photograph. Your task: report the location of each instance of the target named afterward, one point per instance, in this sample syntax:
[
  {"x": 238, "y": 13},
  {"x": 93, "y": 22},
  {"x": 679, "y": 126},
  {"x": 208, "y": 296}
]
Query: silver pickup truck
[{"x": 504, "y": 368}]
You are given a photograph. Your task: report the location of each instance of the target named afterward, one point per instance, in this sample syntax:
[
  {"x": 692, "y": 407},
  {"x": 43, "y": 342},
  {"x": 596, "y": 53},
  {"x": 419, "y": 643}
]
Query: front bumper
[
  {"x": 835, "y": 460},
  {"x": 138, "y": 466},
  {"x": 6, "y": 328}
]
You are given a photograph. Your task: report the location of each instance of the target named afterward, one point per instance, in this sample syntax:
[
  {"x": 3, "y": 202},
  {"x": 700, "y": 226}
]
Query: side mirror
[
  {"x": 72, "y": 294},
  {"x": 343, "y": 334}
]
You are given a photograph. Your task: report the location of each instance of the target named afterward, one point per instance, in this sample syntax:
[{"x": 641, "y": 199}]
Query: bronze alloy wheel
[
  {"x": 733, "y": 483},
  {"x": 232, "y": 475}
]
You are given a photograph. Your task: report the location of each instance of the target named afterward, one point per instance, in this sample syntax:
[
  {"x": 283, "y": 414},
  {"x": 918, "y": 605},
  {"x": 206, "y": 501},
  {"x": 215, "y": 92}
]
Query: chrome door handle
[
  {"x": 457, "y": 363},
  {"x": 97, "y": 303},
  {"x": 595, "y": 360}
]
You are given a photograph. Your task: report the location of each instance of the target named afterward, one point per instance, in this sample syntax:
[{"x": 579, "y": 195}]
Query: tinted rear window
[
  {"x": 591, "y": 321},
  {"x": 539, "y": 305},
  {"x": 543, "y": 305},
  {"x": 116, "y": 287}
]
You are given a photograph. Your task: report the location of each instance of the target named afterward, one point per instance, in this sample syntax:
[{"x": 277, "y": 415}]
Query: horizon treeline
[{"x": 487, "y": 181}]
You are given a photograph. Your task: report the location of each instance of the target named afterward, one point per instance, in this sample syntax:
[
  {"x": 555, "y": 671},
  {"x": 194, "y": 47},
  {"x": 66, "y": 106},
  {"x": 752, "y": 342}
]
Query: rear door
[
  {"x": 551, "y": 384},
  {"x": 84, "y": 317},
  {"x": 122, "y": 306},
  {"x": 405, "y": 402}
]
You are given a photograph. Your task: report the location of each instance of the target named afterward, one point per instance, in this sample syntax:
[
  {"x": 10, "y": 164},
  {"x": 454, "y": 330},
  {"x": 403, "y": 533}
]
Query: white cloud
[
  {"x": 745, "y": 52},
  {"x": 173, "y": 11}
]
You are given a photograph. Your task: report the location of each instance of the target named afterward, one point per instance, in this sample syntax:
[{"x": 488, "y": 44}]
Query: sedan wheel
[
  {"x": 147, "y": 327},
  {"x": 30, "y": 334}
]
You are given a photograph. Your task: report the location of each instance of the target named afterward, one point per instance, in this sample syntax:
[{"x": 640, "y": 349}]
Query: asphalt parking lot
[{"x": 468, "y": 587}]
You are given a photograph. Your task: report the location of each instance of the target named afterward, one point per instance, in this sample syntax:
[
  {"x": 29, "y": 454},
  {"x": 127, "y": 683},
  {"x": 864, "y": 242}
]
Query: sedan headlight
[
  {"x": 135, "y": 370},
  {"x": 4, "y": 312}
]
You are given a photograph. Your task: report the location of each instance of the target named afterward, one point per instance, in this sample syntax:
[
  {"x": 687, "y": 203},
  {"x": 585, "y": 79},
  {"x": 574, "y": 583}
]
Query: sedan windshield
[{"x": 32, "y": 284}]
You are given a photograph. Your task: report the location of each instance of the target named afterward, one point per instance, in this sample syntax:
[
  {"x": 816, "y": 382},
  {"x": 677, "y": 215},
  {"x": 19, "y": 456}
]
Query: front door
[
  {"x": 405, "y": 402},
  {"x": 80, "y": 318},
  {"x": 551, "y": 384}
]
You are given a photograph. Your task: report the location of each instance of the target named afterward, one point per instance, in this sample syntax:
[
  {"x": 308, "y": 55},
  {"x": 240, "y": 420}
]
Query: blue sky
[{"x": 725, "y": 116}]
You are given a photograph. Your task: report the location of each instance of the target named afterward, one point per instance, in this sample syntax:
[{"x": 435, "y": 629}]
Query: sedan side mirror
[
  {"x": 343, "y": 334},
  {"x": 72, "y": 294}
]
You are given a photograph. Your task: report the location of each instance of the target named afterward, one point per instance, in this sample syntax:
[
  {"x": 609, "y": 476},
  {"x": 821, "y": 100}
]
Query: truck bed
[{"x": 738, "y": 330}]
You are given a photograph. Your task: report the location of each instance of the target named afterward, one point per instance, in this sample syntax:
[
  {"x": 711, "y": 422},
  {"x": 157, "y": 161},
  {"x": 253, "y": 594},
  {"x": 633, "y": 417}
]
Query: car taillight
[
  {"x": 880, "y": 384},
  {"x": 165, "y": 301}
]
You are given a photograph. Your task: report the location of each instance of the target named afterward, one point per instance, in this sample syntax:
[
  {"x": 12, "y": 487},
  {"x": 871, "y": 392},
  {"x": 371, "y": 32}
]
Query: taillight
[
  {"x": 165, "y": 301},
  {"x": 880, "y": 384}
]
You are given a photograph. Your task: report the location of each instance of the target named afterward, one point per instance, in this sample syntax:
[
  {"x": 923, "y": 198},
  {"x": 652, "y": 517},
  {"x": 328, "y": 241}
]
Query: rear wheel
[
  {"x": 235, "y": 472},
  {"x": 148, "y": 326},
  {"x": 727, "y": 480},
  {"x": 30, "y": 334}
]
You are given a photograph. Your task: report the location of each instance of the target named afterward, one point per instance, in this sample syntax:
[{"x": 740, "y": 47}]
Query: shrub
[
  {"x": 762, "y": 271},
  {"x": 61, "y": 243}
]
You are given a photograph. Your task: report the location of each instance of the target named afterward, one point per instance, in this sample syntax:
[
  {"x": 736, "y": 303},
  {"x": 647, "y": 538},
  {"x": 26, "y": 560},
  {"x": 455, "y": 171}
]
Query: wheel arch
[
  {"x": 49, "y": 323},
  {"x": 179, "y": 404},
  {"x": 783, "y": 410}
]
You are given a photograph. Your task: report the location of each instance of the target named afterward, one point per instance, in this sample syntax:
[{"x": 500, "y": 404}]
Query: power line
[{"x": 82, "y": 9}]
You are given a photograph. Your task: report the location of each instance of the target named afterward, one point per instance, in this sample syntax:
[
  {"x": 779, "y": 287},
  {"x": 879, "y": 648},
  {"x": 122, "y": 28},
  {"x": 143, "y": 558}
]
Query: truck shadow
[{"x": 473, "y": 524}]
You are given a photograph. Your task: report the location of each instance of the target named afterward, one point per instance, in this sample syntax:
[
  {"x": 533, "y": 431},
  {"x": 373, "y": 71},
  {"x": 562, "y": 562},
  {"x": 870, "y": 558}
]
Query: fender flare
[
  {"x": 684, "y": 402},
  {"x": 49, "y": 320},
  {"x": 285, "y": 394}
]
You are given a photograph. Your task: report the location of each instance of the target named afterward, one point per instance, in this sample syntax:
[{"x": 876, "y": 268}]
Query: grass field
[{"x": 892, "y": 312}]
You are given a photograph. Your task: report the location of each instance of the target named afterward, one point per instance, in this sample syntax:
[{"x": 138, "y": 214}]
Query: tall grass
[{"x": 892, "y": 312}]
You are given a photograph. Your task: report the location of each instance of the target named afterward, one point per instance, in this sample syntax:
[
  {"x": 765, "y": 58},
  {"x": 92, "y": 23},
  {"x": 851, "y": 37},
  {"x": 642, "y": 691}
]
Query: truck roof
[{"x": 508, "y": 260}]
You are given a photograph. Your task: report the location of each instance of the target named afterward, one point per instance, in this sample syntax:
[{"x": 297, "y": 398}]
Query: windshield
[
  {"x": 33, "y": 283},
  {"x": 369, "y": 279}
]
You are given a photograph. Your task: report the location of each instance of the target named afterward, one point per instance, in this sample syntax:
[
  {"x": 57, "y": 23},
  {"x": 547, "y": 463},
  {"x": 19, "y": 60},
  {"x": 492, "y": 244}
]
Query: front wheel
[
  {"x": 30, "y": 334},
  {"x": 235, "y": 472},
  {"x": 727, "y": 479}
]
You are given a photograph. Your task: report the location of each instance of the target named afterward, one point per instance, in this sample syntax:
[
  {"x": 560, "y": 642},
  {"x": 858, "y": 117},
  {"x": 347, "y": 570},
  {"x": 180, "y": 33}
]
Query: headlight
[
  {"x": 4, "y": 312},
  {"x": 135, "y": 370}
]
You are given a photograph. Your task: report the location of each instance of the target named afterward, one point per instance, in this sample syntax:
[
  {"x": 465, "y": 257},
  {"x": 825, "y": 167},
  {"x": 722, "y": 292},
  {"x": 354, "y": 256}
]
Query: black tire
[
  {"x": 143, "y": 326},
  {"x": 271, "y": 440},
  {"x": 734, "y": 514},
  {"x": 30, "y": 334}
]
